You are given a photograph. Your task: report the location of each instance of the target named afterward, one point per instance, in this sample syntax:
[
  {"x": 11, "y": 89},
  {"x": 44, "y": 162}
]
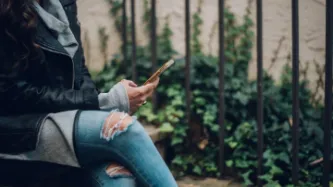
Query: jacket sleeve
[{"x": 18, "y": 96}]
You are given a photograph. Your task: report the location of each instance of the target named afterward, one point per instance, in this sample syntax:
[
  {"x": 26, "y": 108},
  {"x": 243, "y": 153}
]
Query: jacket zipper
[{"x": 61, "y": 53}]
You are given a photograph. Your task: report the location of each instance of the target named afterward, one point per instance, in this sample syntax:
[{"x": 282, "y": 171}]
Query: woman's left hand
[{"x": 138, "y": 95}]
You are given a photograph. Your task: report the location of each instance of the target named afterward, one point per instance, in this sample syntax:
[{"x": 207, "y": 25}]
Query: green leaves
[
  {"x": 146, "y": 112},
  {"x": 240, "y": 106},
  {"x": 177, "y": 160},
  {"x": 246, "y": 177},
  {"x": 196, "y": 27},
  {"x": 229, "y": 163},
  {"x": 232, "y": 144},
  {"x": 283, "y": 156},
  {"x": 242, "y": 98},
  {"x": 197, "y": 170},
  {"x": 241, "y": 164},
  {"x": 176, "y": 140},
  {"x": 166, "y": 127}
]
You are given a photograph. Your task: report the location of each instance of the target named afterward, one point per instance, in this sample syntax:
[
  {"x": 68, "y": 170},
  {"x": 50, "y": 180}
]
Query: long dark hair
[{"x": 17, "y": 28}]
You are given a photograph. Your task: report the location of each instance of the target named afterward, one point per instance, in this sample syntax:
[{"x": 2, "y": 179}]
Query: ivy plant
[{"x": 194, "y": 146}]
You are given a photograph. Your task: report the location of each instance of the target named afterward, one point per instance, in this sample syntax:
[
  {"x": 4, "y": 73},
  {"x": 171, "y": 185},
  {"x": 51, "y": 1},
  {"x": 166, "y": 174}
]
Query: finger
[
  {"x": 137, "y": 106},
  {"x": 149, "y": 95},
  {"x": 154, "y": 86},
  {"x": 147, "y": 88},
  {"x": 156, "y": 82},
  {"x": 139, "y": 101}
]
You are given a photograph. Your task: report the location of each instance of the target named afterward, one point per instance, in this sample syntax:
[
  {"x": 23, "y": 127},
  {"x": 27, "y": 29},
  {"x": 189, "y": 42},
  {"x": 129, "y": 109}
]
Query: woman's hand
[{"x": 138, "y": 95}]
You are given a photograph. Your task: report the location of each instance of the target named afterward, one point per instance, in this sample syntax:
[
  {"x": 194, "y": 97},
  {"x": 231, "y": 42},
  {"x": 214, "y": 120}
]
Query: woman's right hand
[{"x": 138, "y": 95}]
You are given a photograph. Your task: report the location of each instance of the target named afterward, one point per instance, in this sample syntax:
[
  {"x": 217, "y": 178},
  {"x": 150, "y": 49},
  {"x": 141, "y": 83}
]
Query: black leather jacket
[{"x": 52, "y": 83}]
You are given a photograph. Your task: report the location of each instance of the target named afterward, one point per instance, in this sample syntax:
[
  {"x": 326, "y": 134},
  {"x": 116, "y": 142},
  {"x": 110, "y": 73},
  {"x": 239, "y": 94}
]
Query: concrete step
[
  {"x": 154, "y": 133},
  {"x": 207, "y": 182},
  {"x": 157, "y": 138}
]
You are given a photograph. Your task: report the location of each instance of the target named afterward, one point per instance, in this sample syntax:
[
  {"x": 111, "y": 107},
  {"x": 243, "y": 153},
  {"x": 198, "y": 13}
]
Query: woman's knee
[{"x": 118, "y": 123}]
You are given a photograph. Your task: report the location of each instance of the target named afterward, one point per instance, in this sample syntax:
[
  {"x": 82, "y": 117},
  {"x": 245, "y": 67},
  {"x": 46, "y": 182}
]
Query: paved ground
[{"x": 208, "y": 182}]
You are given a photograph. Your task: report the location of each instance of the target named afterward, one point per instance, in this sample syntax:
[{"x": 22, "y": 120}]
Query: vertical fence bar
[
  {"x": 295, "y": 90},
  {"x": 188, "y": 60},
  {"x": 153, "y": 46},
  {"x": 124, "y": 36},
  {"x": 133, "y": 41},
  {"x": 221, "y": 86},
  {"x": 328, "y": 94},
  {"x": 259, "y": 90}
]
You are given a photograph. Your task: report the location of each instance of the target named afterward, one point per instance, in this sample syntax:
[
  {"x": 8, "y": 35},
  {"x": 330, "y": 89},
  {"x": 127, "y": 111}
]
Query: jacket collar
[{"x": 47, "y": 41}]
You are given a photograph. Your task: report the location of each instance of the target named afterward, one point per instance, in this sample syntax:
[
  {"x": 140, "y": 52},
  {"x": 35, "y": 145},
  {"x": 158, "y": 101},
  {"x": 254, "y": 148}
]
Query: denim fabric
[
  {"x": 101, "y": 179},
  {"x": 131, "y": 148}
]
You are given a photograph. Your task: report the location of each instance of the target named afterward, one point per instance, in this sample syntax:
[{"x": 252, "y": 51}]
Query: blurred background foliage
[{"x": 193, "y": 148}]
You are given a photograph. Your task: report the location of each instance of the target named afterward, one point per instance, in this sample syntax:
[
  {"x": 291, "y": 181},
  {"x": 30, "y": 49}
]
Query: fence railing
[
  {"x": 260, "y": 118},
  {"x": 221, "y": 86},
  {"x": 328, "y": 93},
  {"x": 295, "y": 90},
  {"x": 295, "y": 79}
]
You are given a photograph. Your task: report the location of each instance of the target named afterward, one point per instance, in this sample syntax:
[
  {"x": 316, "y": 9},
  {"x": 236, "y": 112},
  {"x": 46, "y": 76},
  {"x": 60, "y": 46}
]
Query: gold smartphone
[{"x": 160, "y": 71}]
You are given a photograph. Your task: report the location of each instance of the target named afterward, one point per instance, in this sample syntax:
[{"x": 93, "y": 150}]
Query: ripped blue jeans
[{"x": 117, "y": 151}]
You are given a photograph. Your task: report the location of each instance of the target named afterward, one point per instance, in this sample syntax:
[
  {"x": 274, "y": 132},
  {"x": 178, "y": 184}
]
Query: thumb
[
  {"x": 132, "y": 84},
  {"x": 128, "y": 83}
]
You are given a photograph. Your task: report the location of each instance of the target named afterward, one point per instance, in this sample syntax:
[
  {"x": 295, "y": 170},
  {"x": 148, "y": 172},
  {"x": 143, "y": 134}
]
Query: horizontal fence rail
[{"x": 260, "y": 100}]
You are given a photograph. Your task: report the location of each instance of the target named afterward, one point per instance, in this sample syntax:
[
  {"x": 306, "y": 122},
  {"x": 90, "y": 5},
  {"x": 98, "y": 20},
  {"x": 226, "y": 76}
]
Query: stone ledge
[
  {"x": 154, "y": 133},
  {"x": 207, "y": 182}
]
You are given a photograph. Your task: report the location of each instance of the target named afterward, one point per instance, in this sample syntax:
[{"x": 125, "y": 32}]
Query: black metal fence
[{"x": 295, "y": 79}]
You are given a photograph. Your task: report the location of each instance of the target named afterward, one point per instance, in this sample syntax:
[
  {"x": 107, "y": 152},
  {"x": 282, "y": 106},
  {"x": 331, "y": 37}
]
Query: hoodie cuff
[{"x": 116, "y": 98}]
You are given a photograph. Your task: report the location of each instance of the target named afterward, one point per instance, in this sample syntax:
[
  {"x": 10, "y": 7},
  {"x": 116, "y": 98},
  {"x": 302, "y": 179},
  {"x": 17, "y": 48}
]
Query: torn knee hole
[
  {"x": 114, "y": 124},
  {"x": 116, "y": 170}
]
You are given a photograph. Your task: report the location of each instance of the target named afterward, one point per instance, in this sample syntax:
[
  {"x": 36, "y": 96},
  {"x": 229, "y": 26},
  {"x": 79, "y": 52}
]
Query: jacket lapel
[{"x": 47, "y": 41}]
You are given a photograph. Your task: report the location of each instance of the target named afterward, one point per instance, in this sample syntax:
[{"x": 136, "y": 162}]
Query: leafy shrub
[{"x": 195, "y": 146}]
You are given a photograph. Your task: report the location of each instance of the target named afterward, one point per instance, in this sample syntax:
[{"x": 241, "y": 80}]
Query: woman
[{"x": 50, "y": 109}]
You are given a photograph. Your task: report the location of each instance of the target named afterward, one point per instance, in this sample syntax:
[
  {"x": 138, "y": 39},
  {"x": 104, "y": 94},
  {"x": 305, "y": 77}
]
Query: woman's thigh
[{"x": 102, "y": 136}]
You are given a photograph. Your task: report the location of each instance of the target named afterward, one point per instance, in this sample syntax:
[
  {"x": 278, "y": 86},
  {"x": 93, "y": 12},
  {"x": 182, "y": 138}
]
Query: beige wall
[{"x": 277, "y": 29}]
